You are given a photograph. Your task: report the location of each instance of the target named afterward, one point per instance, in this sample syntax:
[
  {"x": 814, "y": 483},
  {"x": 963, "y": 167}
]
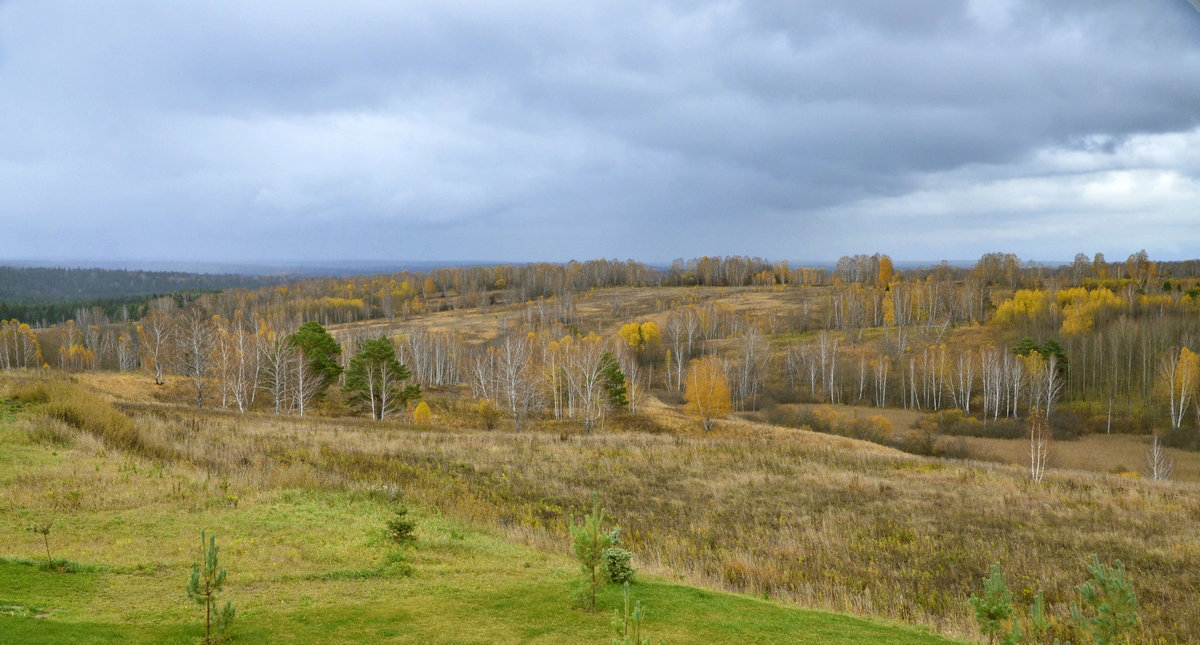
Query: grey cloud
[{"x": 540, "y": 130}]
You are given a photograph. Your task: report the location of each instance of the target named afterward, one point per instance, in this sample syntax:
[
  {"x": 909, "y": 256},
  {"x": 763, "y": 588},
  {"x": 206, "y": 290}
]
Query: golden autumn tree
[
  {"x": 643, "y": 339},
  {"x": 640, "y": 336},
  {"x": 886, "y": 271},
  {"x": 707, "y": 391},
  {"x": 1080, "y": 306},
  {"x": 1024, "y": 303},
  {"x": 1179, "y": 375},
  {"x": 422, "y": 414}
]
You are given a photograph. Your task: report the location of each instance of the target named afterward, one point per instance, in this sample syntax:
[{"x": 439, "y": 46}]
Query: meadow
[
  {"x": 304, "y": 545},
  {"x": 776, "y": 513}
]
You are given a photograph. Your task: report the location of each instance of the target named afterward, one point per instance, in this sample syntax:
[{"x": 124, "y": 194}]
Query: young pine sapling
[
  {"x": 207, "y": 580},
  {"x": 590, "y": 543}
]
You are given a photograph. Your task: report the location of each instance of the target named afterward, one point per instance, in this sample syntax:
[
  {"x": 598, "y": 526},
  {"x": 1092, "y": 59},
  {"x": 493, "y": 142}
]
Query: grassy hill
[{"x": 306, "y": 564}]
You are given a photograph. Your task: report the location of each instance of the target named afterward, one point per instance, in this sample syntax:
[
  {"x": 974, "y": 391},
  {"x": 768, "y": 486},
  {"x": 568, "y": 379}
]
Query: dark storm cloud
[{"x": 531, "y": 130}]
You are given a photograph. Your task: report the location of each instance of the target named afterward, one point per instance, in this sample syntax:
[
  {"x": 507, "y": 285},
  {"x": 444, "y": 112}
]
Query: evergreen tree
[
  {"x": 994, "y": 607},
  {"x": 614, "y": 380},
  {"x": 1110, "y": 607},
  {"x": 320, "y": 349},
  {"x": 207, "y": 580},
  {"x": 374, "y": 379},
  {"x": 590, "y": 541}
]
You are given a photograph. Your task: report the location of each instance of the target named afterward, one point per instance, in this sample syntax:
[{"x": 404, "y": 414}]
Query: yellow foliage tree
[
  {"x": 1179, "y": 376},
  {"x": 1080, "y": 306},
  {"x": 640, "y": 336},
  {"x": 707, "y": 391},
  {"x": 1025, "y": 302},
  {"x": 422, "y": 415},
  {"x": 886, "y": 271}
]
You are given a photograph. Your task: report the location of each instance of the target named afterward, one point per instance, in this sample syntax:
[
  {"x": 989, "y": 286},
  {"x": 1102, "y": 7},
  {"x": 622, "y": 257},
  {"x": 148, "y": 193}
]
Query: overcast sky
[{"x": 283, "y": 131}]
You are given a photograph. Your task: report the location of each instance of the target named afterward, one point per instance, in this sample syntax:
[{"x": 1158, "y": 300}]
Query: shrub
[
  {"x": 488, "y": 413},
  {"x": 616, "y": 566},
  {"x": 1182, "y": 438},
  {"x": 616, "y": 560},
  {"x": 421, "y": 414},
  {"x": 400, "y": 528},
  {"x": 1067, "y": 424},
  {"x": 954, "y": 423}
]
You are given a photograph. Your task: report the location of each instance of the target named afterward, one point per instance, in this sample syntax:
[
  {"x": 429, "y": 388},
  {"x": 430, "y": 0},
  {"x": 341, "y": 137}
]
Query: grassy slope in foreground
[{"x": 310, "y": 566}]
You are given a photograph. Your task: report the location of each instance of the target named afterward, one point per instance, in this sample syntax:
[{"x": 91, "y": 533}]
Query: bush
[
  {"x": 401, "y": 528},
  {"x": 1067, "y": 424},
  {"x": 616, "y": 561},
  {"x": 956, "y": 424},
  {"x": 1182, "y": 438},
  {"x": 920, "y": 441},
  {"x": 488, "y": 413},
  {"x": 422, "y": 415}
]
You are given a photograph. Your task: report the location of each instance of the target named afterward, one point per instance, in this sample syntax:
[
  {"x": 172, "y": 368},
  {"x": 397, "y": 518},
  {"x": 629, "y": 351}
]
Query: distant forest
[{"x": 53, "y": 295}]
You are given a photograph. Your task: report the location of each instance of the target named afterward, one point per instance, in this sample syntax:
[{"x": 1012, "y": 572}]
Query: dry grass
[
  {"x": 824, "y": 521},
  {"x": 1100, "y": 453}
]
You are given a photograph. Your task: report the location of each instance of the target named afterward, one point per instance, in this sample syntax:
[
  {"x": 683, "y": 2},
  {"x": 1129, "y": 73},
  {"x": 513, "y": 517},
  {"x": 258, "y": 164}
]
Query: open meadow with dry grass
[
  {"x": 309, "y": 560},
  {"x": 822, "y": 521}
]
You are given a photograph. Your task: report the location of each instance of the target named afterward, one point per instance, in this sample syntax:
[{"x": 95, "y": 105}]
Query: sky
[{"x": 272, "y": 131}]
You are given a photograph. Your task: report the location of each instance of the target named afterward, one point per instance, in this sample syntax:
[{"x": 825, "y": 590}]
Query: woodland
[{"x": 857, "y": 438}]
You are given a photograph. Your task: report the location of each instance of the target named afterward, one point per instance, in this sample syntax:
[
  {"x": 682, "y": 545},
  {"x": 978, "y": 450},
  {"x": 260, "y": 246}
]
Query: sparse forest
[{"x": 992, "y": 405}]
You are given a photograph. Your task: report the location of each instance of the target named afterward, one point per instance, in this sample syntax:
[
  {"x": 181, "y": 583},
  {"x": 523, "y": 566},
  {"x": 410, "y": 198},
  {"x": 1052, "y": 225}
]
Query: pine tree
[
  {"x": 613, "y": 380},
  {"x": 590, "y": 543},
  {"x": 207, "y": 580},
  {"x": 320, "y": 350},
  {"x": 374, "y": 379},
  {"x": 994, "y": 607},
  {"x": 1110, "y": 610}
]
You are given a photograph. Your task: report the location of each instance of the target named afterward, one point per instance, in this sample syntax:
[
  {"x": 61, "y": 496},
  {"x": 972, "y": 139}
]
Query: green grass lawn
[{"x": 311, "y": 566}]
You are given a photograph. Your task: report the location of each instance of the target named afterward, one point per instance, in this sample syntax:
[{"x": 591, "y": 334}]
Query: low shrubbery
[
  {"x": 616, "y": 560},
  {"x": 1182, "y": 438},
  {"x": 824, "y": 418},
  {"x": 922, "y": 439}
]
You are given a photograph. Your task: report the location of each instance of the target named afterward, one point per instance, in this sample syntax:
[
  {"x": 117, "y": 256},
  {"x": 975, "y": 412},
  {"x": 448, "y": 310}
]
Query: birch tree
[{"x": 195, "y": 339}]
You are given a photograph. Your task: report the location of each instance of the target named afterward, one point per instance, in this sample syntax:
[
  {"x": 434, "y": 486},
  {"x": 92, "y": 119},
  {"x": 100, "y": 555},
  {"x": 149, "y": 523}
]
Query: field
[
  {"x": 307, "y": 556},
  {"x": 790, "y": 515}
]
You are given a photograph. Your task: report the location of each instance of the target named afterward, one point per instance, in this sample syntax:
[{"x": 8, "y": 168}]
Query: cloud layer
[{"x": 279, "y": 131}]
